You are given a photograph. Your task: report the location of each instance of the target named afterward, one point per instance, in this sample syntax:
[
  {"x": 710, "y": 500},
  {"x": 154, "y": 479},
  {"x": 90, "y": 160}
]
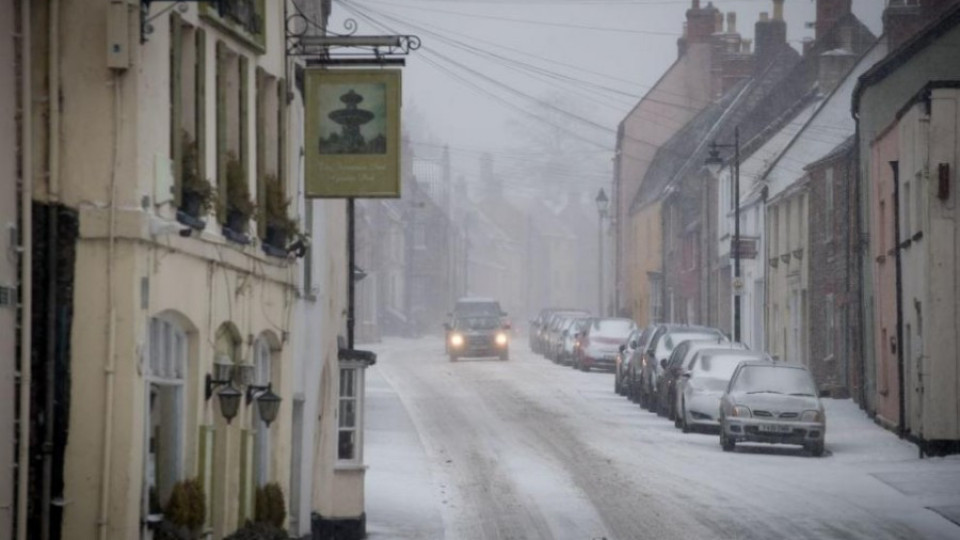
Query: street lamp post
[
  {"x": 602, "y": 203},
  {"x": 714, "y": 163}
]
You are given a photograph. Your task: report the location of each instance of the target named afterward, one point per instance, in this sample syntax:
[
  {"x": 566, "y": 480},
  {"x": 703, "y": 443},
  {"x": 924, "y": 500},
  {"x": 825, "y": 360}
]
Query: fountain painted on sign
[{"x": 353, "y": 121}]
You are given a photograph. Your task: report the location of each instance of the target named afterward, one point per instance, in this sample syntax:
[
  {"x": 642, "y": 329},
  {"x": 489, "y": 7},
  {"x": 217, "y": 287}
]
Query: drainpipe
[
  {"x": 26, "y": 269},
  {"x": 53, "y": 195},
  {"x": 109, "y": 369},
  {"x": 902, "y": 422}
]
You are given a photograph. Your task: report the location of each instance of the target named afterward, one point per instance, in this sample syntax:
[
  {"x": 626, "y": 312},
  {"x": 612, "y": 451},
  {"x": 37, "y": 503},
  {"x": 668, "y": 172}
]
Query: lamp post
[
  {"x": 714, "y": 163},
  {"x": 602, "y": 202}
]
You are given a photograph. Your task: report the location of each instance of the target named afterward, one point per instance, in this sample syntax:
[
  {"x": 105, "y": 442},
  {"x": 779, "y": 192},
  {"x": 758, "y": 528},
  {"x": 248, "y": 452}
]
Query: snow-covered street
[{"x": 529, "y": 449}]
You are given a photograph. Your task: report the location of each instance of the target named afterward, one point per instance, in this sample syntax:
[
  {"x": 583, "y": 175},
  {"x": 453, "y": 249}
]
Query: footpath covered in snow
[{"x": 528, "y": 449}]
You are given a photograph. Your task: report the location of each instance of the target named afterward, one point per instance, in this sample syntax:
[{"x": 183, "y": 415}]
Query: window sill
[{"x": 350, "y": 467}]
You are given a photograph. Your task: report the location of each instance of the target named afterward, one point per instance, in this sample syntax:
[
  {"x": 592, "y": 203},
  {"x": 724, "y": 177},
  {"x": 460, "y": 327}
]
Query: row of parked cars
[
  {"x": 693, "y": 375},
  {"x": 575, "y": 338}
]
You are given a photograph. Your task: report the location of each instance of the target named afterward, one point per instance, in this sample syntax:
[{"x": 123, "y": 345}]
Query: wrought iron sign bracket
[
  {"x": 146, "y": 28},
  {"x": 332, "y": 49}
]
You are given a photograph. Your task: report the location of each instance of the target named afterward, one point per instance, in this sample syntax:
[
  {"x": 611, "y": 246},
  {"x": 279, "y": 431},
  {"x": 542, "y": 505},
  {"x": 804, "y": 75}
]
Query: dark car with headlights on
[
  {"x": 772, "y": 403},
  {"x": 478, "y": 337}
]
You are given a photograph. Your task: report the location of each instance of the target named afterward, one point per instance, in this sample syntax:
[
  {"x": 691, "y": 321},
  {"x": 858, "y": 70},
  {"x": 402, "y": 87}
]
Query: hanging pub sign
[{"x": 352, "y": 146}]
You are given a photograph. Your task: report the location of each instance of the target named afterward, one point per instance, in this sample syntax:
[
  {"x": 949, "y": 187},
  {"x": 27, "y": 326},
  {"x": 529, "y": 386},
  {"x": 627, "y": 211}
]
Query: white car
[{"x": 705, "y": 382}]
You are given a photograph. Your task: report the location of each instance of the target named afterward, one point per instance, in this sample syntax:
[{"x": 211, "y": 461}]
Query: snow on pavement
[{"x": 528, "y": 449}]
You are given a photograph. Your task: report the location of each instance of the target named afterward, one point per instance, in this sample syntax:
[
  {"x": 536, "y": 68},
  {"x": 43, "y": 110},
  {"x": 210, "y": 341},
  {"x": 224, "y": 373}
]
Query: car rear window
[
  {"x": 670, "y": 341},
  {"x": 619, "y": 328}
]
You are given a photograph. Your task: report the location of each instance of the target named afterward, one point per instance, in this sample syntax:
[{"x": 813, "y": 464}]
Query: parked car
[
  {"x": 479, "y": 336},
  {"x": 772, "y": 403},
  {"x": 623, "y": 360},
  {"x": 698, "y": 401},
  {"x": 570, "y": 342},
  {"x": 664, "y": 340},
  {"x": 631, "y": 378},
  {"x": 551, "y": 337},
  {"x": 670, "y": 382},
  {"x": 538, "y": 327},
  {"x": 601, "y": 342}
]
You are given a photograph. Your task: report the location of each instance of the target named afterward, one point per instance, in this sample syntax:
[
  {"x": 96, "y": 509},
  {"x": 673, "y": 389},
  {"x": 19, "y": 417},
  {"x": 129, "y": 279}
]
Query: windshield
[
  {"x": 478, "y": 307},
  {"x": 774, "y": 380},
  {"x": 478, "y": 323}
]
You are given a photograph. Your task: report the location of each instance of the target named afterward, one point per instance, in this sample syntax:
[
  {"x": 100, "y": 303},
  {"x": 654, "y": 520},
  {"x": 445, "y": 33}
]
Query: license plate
[{"x": 775, "y": 428}]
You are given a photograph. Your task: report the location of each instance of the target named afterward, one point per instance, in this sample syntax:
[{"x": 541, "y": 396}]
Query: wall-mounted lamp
[
  {"x": 268, "y": 403},
  {"x": 229, "y": 397}
]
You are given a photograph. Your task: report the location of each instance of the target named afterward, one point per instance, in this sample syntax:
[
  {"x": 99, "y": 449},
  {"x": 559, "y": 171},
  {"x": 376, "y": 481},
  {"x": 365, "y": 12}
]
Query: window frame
[
  {"x": 263, "y": 448},
  {"x": 161, "y": 331},
  {"x": 357, "y": 399}
]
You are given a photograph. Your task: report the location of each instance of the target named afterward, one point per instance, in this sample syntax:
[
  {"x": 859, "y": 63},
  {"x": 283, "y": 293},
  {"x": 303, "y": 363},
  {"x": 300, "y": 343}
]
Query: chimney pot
[
  {"x": 731, "y": 23},
  {"x": 764, "y": 16},
  {"x": 778, "y": 10},
  {"x": 696, "y": 4}
]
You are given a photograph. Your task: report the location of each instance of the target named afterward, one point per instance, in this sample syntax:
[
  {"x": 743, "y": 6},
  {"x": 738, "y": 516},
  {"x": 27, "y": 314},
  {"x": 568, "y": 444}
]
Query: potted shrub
[
  {"x": 270, "y": 511},
  {"x": 278, "y": 225},
  {"x": 196, "y": 193},
  {"x": 185, "y": 512},
  {"x": 239, "y": 205}
]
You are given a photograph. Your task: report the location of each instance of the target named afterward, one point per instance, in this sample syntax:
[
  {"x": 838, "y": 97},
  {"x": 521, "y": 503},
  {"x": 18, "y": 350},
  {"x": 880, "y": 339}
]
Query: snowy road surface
[{"x": 526, "y": 449}]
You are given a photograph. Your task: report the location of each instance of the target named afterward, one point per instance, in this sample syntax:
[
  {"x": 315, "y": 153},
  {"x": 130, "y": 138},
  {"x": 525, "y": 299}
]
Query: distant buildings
[{"x": 847, "y": 244}]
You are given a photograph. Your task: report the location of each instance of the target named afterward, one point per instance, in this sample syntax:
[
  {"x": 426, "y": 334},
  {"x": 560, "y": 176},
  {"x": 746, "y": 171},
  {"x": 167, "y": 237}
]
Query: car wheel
[
  {"x": 672, "y": 407},
  {"x": 815, "y": 449},
  {"x": 728, "y": 445},
  {"x": 617, "y": 385},
  {"x": 684, "y": 426},
  {"x": 505, "y": 356},
  {"x": 453, "y": 358},
  {"x": 584, "y": 368}
]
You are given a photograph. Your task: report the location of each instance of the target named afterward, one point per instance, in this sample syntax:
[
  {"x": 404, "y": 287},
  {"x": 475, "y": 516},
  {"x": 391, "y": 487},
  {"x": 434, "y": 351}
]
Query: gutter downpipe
[
  {"x": 53, "y": 195},
  {"x": 110, "y": 363},
  {"x": 901, "y": 423},
  {"x": 26, "y": 272}
]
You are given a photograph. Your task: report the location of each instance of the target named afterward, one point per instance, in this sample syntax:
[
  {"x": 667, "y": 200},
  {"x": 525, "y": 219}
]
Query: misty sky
[{"x": 578, "y": 67}]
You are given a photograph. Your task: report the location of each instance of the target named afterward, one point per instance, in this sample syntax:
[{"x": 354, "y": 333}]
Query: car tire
[
  {"x": 684, "y": 426},
  {"x": 505, "y": 357},
  {"x": 727, "y": 444},
  {"x": 672, "y": 408},
  {"x": 453, "y": 358},
  {"x": 815, "y": 449},
  {"x": 617, "y": 386}
]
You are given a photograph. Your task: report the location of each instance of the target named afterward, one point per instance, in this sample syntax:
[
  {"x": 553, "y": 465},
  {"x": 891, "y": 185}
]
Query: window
[
  {"x": 187, "y": 109},
  {"x": 882, "y": 226},
  {"x": 235, "y": 206},
  {"x": 906, "y": 227},
  {"x": 262, "y": 376},
  {"x": 350, "y": 429},
  {"x": 656, "y": 299},
  {"x": 164, "y": 413},
  {"x": 828, "y": 202}
]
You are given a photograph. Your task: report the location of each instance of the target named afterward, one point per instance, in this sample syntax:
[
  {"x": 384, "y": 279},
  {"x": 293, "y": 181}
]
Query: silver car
[
  {"x": 705, "y": 380},
  {"x": 772, "y": 403}
]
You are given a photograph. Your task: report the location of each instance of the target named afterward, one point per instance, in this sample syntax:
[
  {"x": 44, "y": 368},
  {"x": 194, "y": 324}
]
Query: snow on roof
[{"x": 828, "y": 128}]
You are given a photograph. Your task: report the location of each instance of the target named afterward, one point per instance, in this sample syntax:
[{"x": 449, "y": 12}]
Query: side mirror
[
  {"x": 447, "y": 327},
  {"x": 663, "y": 363},
  {"x": 623, "y": 348},
  {"x": 685, "y": 374},
  {"x": 506, "y": 326}
]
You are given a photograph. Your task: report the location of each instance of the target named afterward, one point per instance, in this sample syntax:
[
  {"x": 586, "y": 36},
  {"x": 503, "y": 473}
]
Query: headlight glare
[
  {"x": 456, "y": 340},
  {"x": 741, "y": 411},
  {"x": 501, "y": 339},
  {"x": 811, "y": 416}
]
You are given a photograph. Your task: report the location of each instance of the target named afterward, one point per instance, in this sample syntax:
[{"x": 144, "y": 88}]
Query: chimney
[
  {"x": 731, "y": 23},
  {"x": 904, "y": 18},
  {"x": 770, "y": 35},
  {"x": 828, "y": 13},
  {"x": 702, "y": 23},
  {"x": 718, "y": 22}
]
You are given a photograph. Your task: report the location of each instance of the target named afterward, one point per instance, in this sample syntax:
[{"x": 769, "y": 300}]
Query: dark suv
[{"x": 478, "y": 337}]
